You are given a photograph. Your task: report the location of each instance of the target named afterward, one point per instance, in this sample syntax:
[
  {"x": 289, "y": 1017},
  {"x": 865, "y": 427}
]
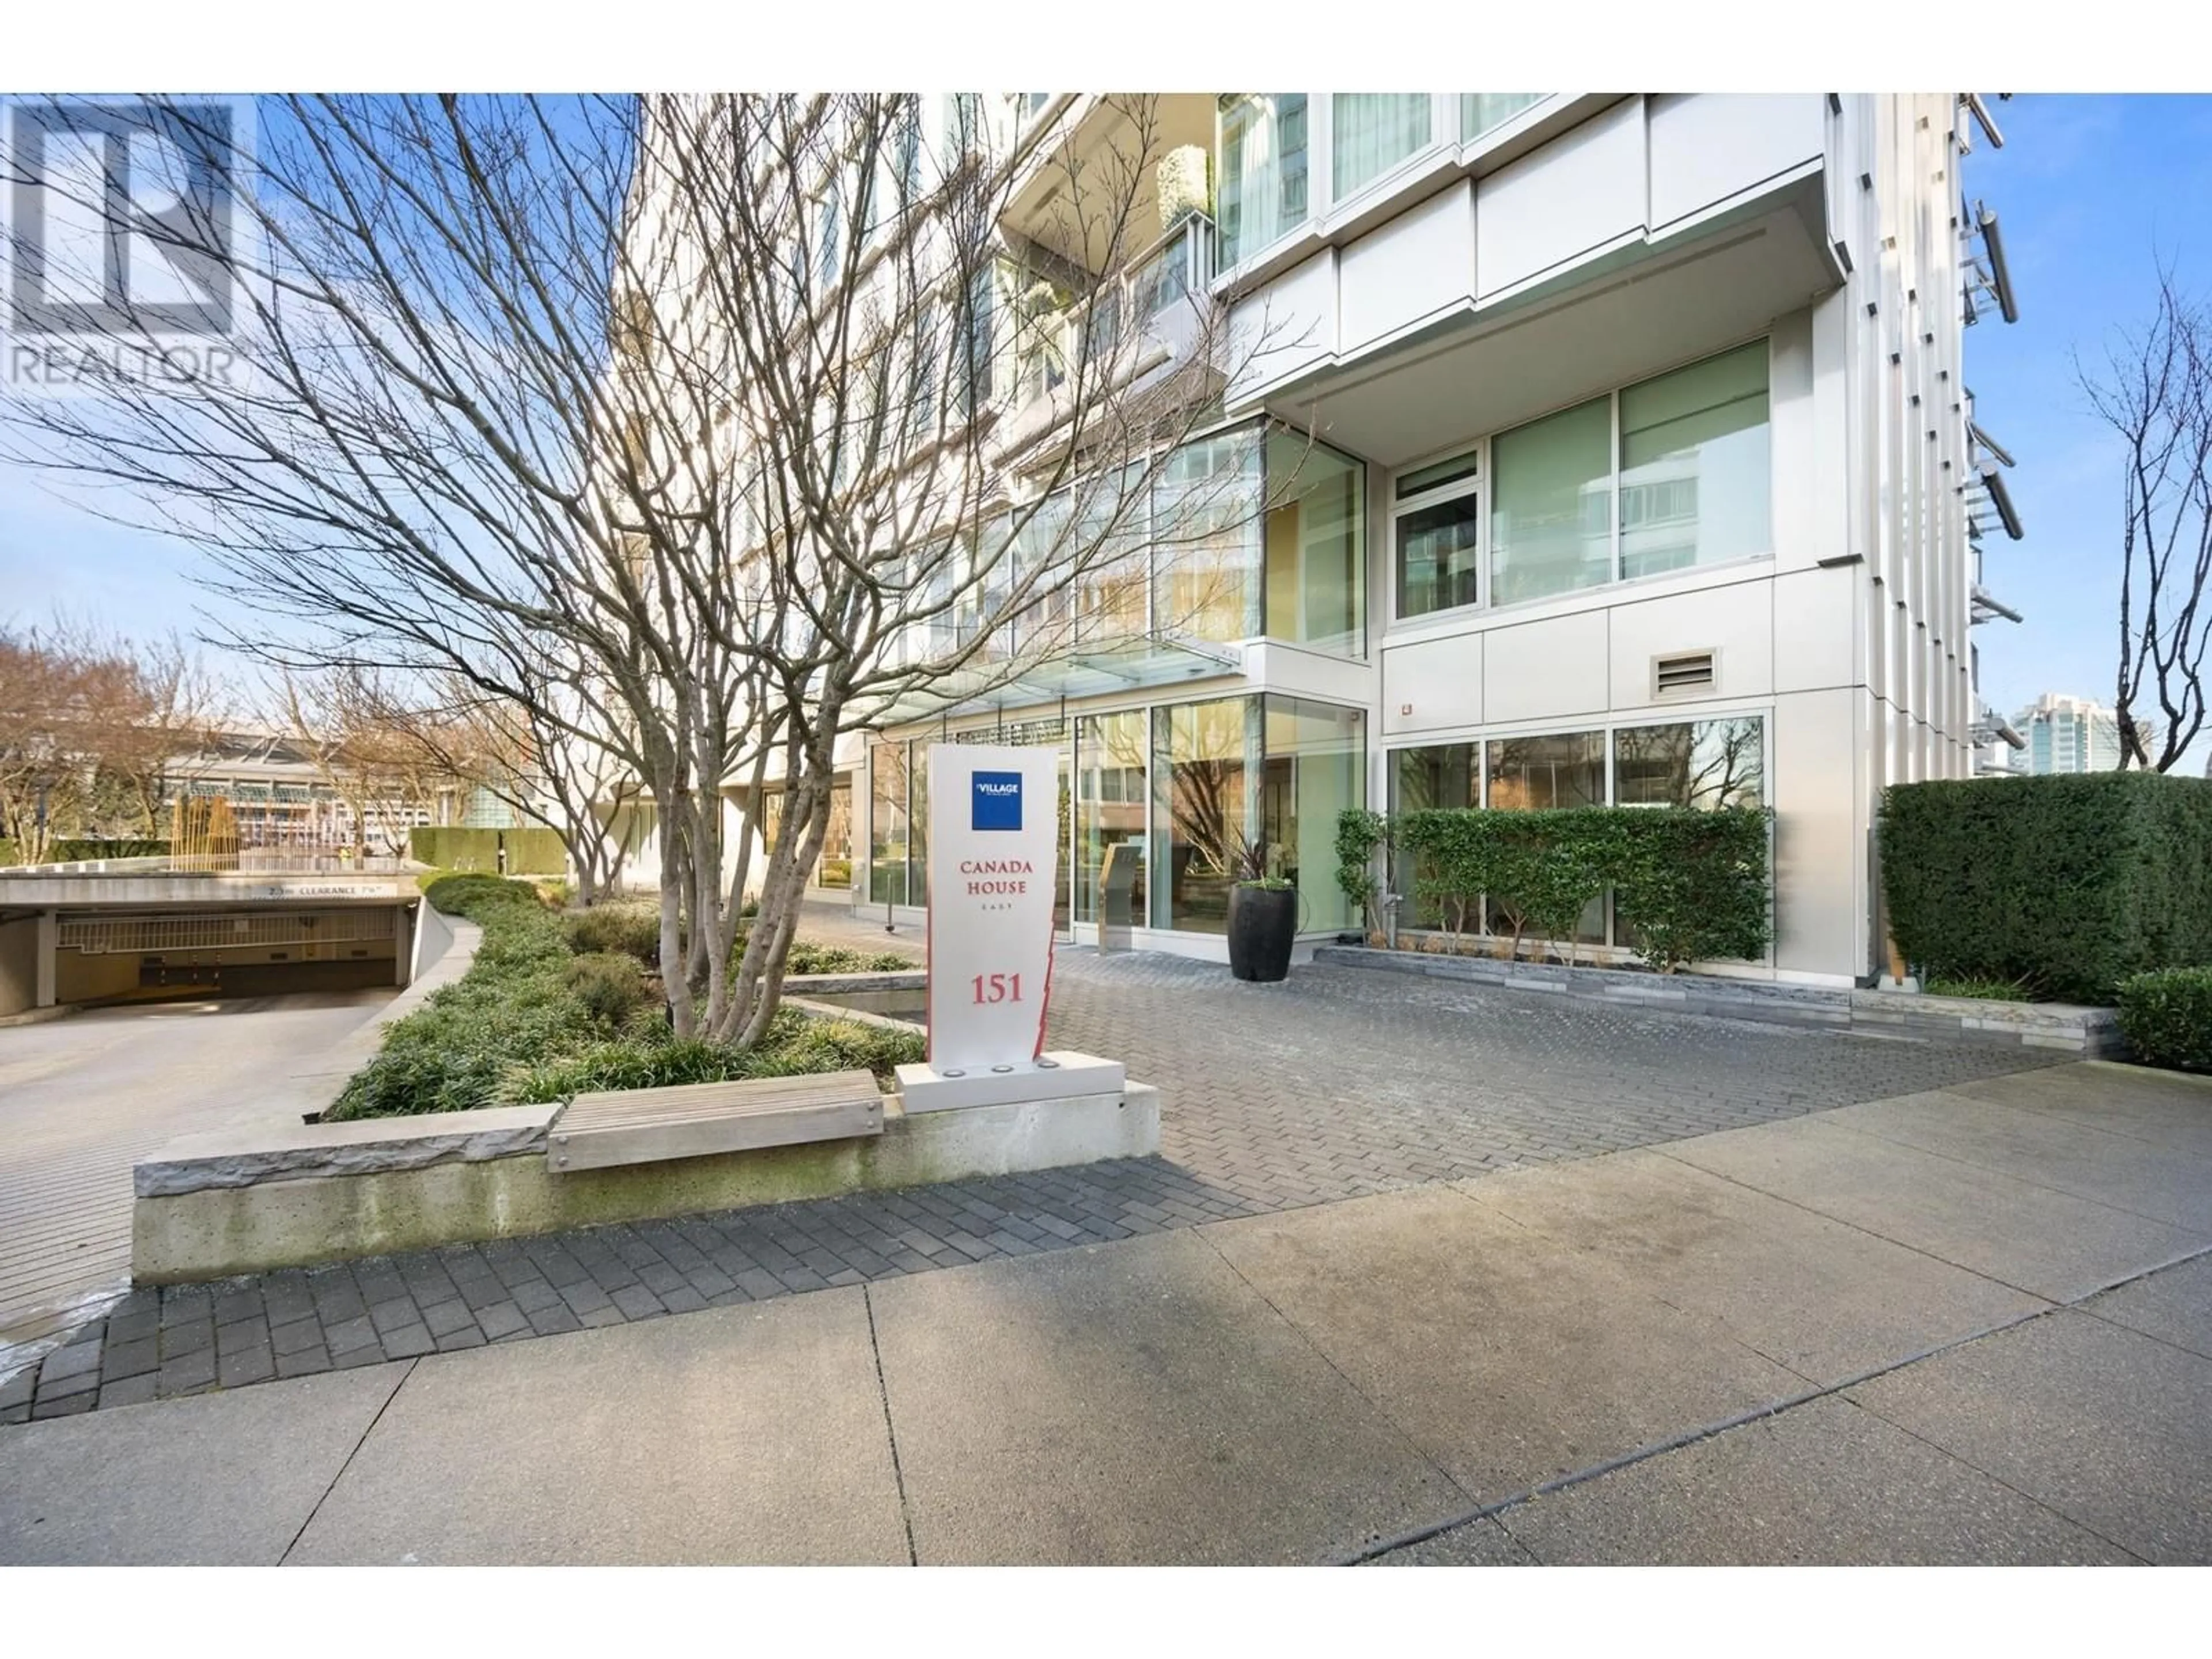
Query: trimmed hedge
[
  {"x": 2167, "y": 1017},
  {"x": 535, "y": 852},
  {"x": 2070, "y": 883},
  {"x": 1688, "y": 886}
]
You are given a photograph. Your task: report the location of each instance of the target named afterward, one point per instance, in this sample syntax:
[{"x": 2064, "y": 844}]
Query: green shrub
[
  {"x": 1358, "y": 833},
  {"x": 609, "y": 985},
  {"x": 514, "y": 1002},
  {"x": 795, "y": 1045},
  {"x": 534, "y": 1020},
  {"x": 1688, "y": 886},
  {"x": 632, "y": 929},
  {"x": 807, "y": 958},
  {"x": 1693, "y": 886},
  {"x": 2070, "y": 883},
  {"x": 2167, "y": 1015}
]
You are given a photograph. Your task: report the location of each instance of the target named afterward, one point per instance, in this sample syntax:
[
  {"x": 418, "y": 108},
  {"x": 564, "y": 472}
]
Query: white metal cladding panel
[
  {"x": 1820, "y": 854},
  {"x": 1410, "y": 267},
  {"x": 1816, "y": 628},
  {"x": 148, "y": 935},
  {"x": 1707, "y": 146},
  {"x": 1737, "y": 624},
  {"x": 1286, "y": 325},
  {"x": 1584, "y": 189},
  {"x": 1434, "y": 685},
  {"x": 1540, "y": 670}
]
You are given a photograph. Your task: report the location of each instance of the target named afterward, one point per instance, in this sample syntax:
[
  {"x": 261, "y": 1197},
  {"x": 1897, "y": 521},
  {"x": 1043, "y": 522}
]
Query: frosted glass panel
[
  {"x": 1697, "y": 479},
  {"x": 1552, "y": 524},
  {"x": 1373, "y": 132}
]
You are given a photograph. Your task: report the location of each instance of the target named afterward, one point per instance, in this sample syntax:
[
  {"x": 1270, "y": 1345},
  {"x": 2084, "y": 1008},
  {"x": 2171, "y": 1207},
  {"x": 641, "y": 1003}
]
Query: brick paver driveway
[
  {"x": 1343, "y": 1080},
  {"x": 1336, "y": 1083}
]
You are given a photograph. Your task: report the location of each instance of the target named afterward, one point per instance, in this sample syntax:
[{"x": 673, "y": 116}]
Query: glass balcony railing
[{"x": 1120, "y": 311}]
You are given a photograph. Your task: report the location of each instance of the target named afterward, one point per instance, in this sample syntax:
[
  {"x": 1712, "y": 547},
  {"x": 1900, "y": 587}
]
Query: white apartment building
[
  {"x": 1606, "y": 448},
  {"x": 2071, "y": 734}
]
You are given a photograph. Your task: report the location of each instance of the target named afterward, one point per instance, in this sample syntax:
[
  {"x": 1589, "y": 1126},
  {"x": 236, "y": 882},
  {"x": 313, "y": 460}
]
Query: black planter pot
[{"x": 1262, "y": 922}]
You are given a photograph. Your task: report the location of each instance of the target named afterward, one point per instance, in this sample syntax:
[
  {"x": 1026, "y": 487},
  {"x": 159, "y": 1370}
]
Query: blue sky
[
  {"x": 2090, "y": 193},
  {"x": 2087, "y": 188}
]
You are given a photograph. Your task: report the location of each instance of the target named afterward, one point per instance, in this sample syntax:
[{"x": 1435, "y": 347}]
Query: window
[
  {"x": 1436, "y": 525},
  {"x": 887, "y": 824},
  {"x": 1262, "y": 193},
  {"x": 1702, "y": 765},
  {"x": 1443, "y": 774},
  {"x": 1706, "y": 764},
  {"x": 1478, "y": 111},
  {"x": 1551, "y": 527},
  {"x": 832, "y": 247},
  {"x": 1565, "y": 768},
  {"x": 1205, "y": 512},
  {"x": 1317, "y": 563},
  {"x": 1562, "y": 768},
  {"x": 1372, "y": 132},
  {"x": 1317, "y": 765},
  {"x": 1696, "y": 475},
  {"x": 1110, "y": 801},
  {"x": 1204, "y": 771}
]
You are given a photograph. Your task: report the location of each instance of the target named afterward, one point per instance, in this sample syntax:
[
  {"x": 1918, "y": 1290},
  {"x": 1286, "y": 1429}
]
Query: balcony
[
  {"x": 1132, "y": 326},
  {"x": 1060, "y": 136}
]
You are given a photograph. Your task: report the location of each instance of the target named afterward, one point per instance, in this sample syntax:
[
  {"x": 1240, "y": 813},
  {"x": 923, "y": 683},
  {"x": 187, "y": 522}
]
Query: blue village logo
[{"x": 998, "y": 801}]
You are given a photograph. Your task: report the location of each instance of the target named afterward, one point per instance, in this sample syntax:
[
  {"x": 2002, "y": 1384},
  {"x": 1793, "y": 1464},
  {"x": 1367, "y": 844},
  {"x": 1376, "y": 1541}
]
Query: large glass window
[
  {"x": 1205, "y": 514},
  {"x": 1316, "y": 769},
  {"x": 1436, "y": 528},
  {"x": 1551, "y": 526},
  {"x": 1372, "y": 132},
  {"x": 1706, "y": 764},
  {"x": 1696, "y": 477},
  {"x": 1262, "y": 194},
  {"x": 1112, "y": 587},
  {"x": 1478, "y": 111},
  {"x": 1562, "y": 769},
  {"x": 1205, "y": 780},
  {"x": 1316, "y": 582},
  {"x": 887, "y": 824},
  {"x": 1440, "y": 774},
  {"x": 1111, "y": 799},
  {"x": 917, "y": 858}
]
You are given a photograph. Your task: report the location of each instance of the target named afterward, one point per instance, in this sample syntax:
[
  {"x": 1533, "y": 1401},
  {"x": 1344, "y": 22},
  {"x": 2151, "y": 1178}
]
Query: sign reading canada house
[{"x": 993, "y": 836}]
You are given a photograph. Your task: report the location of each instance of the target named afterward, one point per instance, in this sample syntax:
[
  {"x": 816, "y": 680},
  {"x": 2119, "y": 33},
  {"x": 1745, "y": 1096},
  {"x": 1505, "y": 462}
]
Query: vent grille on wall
[{"x": 1686, "y": 671}]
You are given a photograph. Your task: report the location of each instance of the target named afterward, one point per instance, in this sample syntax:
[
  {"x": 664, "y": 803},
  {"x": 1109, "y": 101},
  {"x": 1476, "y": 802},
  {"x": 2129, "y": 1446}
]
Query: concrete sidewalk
[{"x": 1972, "y": 1325}]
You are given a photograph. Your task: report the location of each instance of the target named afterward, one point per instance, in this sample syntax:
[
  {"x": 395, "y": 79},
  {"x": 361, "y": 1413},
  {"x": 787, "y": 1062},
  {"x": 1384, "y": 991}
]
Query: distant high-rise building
[{"x": 2072, "y": 734}]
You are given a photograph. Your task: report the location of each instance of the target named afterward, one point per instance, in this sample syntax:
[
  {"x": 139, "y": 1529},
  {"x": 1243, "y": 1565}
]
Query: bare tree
[
  {"x": 748, "y": 406},
  {"x": 508, "y": 750},
  {"x": 87, "y": 723},
  {"x": 2155, "y": 393}
]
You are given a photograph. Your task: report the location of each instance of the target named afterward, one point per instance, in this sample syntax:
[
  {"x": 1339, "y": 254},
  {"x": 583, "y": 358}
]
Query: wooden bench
[{"x": 697, "y": 1120}]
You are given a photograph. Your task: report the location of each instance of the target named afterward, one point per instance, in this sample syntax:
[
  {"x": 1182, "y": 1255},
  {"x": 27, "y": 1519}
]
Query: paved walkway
[
  {"x": 1968, "y": 1325},
  {"x": 1334, "y": 1084},
  {"x": 82, "y": 1099}
]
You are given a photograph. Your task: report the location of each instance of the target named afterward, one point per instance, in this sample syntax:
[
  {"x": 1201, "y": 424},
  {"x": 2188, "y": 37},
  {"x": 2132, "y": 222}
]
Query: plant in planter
[{"x": 1263, "y": 916}]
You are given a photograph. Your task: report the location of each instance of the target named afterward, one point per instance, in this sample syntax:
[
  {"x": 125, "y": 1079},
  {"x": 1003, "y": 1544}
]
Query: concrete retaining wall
[
  {"x": 251, "y": 1203},
  {"x": 2091, "y": 1033}
]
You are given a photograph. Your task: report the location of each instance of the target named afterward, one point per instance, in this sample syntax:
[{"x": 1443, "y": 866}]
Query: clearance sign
[{"x": 994, "y": 836}]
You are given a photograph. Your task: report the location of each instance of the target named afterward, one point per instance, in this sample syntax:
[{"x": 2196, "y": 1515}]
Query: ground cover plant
[{"x": 555, "y": 1004}]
